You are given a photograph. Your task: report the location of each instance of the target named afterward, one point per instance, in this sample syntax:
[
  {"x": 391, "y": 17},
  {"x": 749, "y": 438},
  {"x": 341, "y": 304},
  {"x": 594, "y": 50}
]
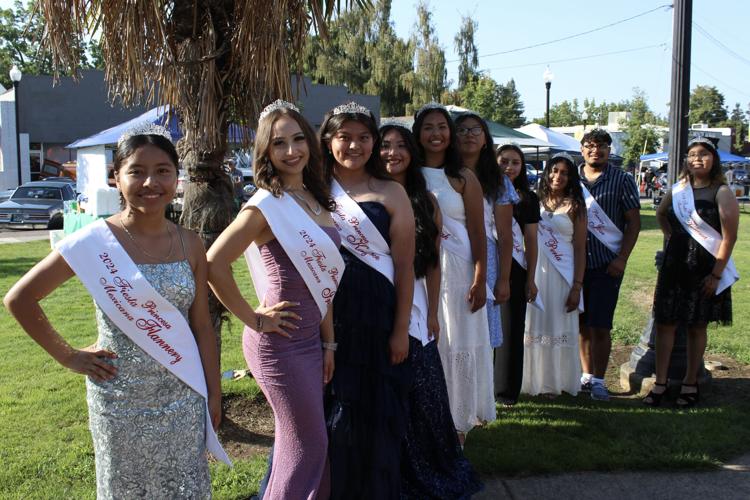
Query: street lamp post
[
  {"x": 15, "y": 76},
  {"x": 548, "y": 76}
]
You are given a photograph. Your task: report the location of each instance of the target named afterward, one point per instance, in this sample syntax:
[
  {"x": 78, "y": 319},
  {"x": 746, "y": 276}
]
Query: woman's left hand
[
  {"x": 709, "y": 286},
  {"x": 214, "y": 409},
  {"x": 477, "y": 296},
  {"x": 501, "y": 291},
  {"x": 328, "y": 365},
  {"x": 399, "y": 347},
  {"x": 574, "y": 298}
]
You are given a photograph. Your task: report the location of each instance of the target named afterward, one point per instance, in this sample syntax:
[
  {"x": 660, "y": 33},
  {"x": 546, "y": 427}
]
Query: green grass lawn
[{"x": 46, "y": 451}]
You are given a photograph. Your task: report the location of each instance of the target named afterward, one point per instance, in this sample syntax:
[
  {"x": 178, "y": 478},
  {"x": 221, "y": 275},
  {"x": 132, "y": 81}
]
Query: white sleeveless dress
[
  {"x": 464, "y": 336},
  {"x": 550, "y": 344}
]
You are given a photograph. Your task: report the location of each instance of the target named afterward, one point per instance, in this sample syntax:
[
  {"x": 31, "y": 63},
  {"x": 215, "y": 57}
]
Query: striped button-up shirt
[{"x": 615, "y": 191}]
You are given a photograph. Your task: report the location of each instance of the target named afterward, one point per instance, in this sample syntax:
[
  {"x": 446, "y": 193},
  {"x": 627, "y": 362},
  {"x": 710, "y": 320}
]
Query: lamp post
[
  {"x": 548, "y": 76},
  {"x": 585, "y": 116},
  {"x": 15, "y": 76}
]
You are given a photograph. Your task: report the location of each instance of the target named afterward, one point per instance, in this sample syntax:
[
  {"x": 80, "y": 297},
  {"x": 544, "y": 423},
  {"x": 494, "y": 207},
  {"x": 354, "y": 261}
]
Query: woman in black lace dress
[{"x": 688, "y": 279}]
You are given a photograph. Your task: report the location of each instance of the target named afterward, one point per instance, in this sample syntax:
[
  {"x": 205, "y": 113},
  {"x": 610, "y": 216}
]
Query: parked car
[
  {"x": 36, "y": 203},
  {"x": 740, "y": 176},
  {"x": 5, "y": 195},
  {"x": 533, "y": 175}
]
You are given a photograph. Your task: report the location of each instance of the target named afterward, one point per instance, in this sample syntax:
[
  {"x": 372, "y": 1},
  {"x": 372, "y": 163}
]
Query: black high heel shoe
[
  {"x": 687, "y": 399},
  {"x": 653, "y": 399}
]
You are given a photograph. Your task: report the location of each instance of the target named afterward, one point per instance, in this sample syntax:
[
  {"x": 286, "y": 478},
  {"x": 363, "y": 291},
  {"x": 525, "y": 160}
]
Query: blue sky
[
  {"x": 643, "y": 46},
  {"x": 505, "y": 25}
]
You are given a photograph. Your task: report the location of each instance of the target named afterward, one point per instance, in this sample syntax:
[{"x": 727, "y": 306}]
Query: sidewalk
[
  {"x": 21, "y": 236},
  {"x": 732, "y": 481}
]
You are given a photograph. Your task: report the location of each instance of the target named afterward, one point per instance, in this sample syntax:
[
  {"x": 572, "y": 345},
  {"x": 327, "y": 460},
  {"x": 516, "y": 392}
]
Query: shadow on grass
[
  {"x": 576, "y": 434},
  {"x": 648, "y": 219},
  {"x": 16, "y": 266}
]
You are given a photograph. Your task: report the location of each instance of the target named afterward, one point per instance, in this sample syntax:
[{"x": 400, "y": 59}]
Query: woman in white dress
[
  {"x": 464, "y": 342},
  {"x": 551, "y": 361}
]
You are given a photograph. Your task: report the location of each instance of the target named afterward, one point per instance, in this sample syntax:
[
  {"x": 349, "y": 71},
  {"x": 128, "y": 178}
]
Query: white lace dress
[
  {"x": 464, "y": 336},
  {"x": 550, "y": 344}
]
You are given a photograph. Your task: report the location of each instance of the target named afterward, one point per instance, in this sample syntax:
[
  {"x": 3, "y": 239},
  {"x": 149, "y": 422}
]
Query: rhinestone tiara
[
  {"x": 429, "y": 106},
  {"x": 702, "y": 139},
  {"x": 277, "y": 104},
  {"x": 562, "y": 156},
  {"x": 144, "y": 128},
  {"x": 351, "y": 107}
]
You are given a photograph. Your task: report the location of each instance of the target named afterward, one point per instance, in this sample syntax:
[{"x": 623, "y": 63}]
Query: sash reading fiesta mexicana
[
  {"x": 600, "y": 225},
  {"x": 360, "y": 236},
  {"x": 312, "y": 252},
  {"x": 136, "y": 308},
  {"x": 558, "y": 251},
  {"x": 701, "y": 231}
]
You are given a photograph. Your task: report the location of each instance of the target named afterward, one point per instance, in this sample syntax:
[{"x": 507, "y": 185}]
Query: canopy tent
[
  {"x": 559, "y": 142},
  {"x": 724, "y": 156},
  {"x": 161, "y": 115}
]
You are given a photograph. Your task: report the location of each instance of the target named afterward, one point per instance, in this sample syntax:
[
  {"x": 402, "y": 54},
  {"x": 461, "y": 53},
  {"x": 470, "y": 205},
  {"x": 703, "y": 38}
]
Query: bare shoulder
[{"x": 193, "y": 244}]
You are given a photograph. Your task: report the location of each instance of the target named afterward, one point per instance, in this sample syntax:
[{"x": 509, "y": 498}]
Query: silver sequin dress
[{"x": 148, "y": 427}]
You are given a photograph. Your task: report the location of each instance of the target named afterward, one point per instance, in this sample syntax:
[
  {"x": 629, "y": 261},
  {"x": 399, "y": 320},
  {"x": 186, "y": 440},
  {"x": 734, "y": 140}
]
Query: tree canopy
[{"x": 707, "y": 106}]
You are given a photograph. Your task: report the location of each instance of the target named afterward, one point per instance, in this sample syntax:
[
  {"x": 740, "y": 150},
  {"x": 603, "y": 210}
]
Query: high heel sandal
[
  {"x": 653, "y": 399},
  {"x": 687, "y": 399}
]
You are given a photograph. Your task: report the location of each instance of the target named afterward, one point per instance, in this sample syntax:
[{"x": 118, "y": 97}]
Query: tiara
[
  {"x": 144, "y": 128},
  {"x": 562, "y": 156},
  {"x": 429, "y": 106},
  {"x": 351, "y": 107},
  {"x": 277, "y": 104},
  {"x": 702, "y": 139}
]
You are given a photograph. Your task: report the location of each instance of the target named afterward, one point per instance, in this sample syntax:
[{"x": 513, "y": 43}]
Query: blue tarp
[
  {"x": 159, "y": 116},
  {"x": 724, "y": 156}
]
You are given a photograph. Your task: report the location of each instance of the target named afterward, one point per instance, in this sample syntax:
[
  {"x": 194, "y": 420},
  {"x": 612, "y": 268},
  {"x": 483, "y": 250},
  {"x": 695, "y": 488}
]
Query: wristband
[
  {"x": 331, "y": 346},
  {"x": 258, "y": 322}
]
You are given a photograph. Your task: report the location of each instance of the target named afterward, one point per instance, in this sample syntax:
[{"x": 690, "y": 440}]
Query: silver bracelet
[{"x": 331, "y": 346}]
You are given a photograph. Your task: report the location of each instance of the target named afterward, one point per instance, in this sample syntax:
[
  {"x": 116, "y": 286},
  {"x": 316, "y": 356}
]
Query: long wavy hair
[
  {"x": 521, "y": 182},
  {"x": 452, "y": 160},
  {"x": 715, "y": 175},
  {"x": 332, "y": 124},
  {"x": 573, "y": 191},
  {"x": 265, "y": 174},
  {"x": 426, "y": 255},
  {"x": 489, "y": 173}
]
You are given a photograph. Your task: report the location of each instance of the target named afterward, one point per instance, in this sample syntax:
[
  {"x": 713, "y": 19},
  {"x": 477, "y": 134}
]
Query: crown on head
[
  {"x": 144, "y": 128},
  {"x": 703, "y": 139},
  {"x": 562, "y": 156},
  {"x": 277, "y": 104},
  {"x": 429, "y": 106},
  {"x": 351, "y": 107}
]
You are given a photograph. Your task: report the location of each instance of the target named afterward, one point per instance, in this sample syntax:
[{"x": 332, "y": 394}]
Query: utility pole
[{"x": 680, "y": 94}]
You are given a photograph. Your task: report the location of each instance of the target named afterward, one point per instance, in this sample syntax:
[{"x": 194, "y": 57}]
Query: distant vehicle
[
  {"x": 740, "y": 176},
  {"x": 4, "y": 195},
  {"x": 36, "y": 203},
  {"x": 532, "y": 174}
]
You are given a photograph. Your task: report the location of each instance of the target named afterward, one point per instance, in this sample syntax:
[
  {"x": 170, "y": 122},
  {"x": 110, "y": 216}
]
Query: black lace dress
[{"x": 678, "y": 297}]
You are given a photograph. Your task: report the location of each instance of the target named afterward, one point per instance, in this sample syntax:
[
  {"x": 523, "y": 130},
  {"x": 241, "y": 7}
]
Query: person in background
[
  {"x": 614, "y": 223},
  {"x": 523, "y": 288}
]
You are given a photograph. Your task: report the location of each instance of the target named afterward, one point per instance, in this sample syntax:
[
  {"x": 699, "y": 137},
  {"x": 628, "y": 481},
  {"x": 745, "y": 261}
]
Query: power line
[
  {"x": 710, "y": 75},
  {"x": 705, "y": 33},
  {"x": 662, "y": 45},
  {"x": 668, "y": 5}
]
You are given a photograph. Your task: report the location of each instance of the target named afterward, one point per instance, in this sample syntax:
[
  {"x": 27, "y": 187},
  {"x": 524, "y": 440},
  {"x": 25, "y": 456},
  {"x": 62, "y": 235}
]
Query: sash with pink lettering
[
  {"x": 701, "y": 231},
  {"x": 519, "y": 255},
  {"x": 359, "y": 234},
  {"x": 558, "y": 251},
  {"x": 600, "y": 225},
  {"x": 136, "y": 308},
  {"x": 312, "y": 252}
]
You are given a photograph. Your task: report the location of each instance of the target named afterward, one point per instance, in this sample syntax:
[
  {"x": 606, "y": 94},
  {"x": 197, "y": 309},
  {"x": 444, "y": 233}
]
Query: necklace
[
  {"x": 144, "y": 252},
  {"x": 316, "y": 210}
]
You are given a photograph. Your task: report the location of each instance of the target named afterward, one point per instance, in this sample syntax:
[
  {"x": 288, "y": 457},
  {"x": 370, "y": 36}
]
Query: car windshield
[{"x": 37, "y": 193}]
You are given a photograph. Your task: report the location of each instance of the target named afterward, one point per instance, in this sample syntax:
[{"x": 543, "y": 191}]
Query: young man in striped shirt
[{"x": 616, "y": 193}]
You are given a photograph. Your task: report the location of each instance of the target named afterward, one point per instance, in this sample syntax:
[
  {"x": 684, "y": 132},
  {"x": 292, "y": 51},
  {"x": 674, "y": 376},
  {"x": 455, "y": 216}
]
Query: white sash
[
  {"x": 418, "y": 319},
  {"x": 136, "y": 308},
  {"x": 709, "y": 238},
  {"x": 600, "y": 225},
  {"x": 558, "y": 251},
  {"x": 359, "y": 234},
  {"x": 489, "y": 220},
  {"x": 520, "y": 256},
  {"x": 312, "y": 252}
]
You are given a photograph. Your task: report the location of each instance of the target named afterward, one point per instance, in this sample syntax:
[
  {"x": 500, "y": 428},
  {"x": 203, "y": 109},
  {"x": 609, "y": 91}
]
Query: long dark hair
[
  {"x": 332, "y": 123},
  {"x": 573, "y": 191},
  {"x": 426, "y": 252},
  {"x": 489, "y": 173},
  {"x": 265, "y": 175},
  {"x": 452, "y": 162},
  {"x": 521, "y": 182}
]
